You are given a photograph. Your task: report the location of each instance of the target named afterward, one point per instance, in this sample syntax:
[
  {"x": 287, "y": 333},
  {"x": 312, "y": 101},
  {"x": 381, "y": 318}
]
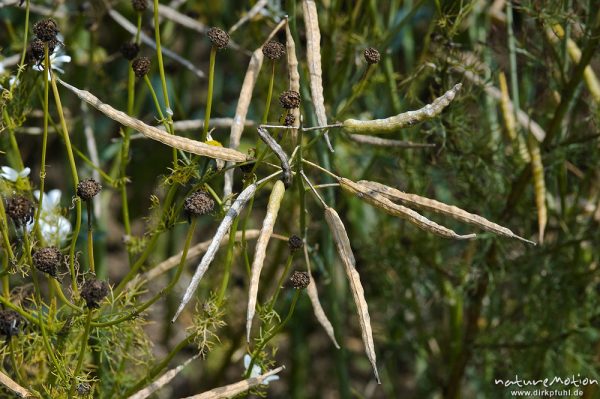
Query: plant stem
[
  {"x": 211, "y": 80},
  {"x": 228, "y": 261},
  {"x": 46, "y": 70},
  {"x": 83, "y": 346},
  {"x": 265, "y": 117},
  {"x": 288, "y": 264},
  {"x": 90, "y": 236}
]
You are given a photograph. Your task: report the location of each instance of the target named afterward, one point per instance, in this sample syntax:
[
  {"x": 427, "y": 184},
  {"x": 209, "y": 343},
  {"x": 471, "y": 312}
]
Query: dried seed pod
[
  {"x": 299, "y": 280},
  {"x": 261, "y": 249},
  {"x": 130, "y": 50},
  {"x": 539, "y": 185},
  {"x": 231, "y": 390},
  {"x": 342, "y": 244},
  {"x": 218, "y": 37},
  {"x": 46, "y": 29},
  {"x": 139, "y": 5},
  {"x": 10, "y": 323},
  {"x": 372, "y": 55},
  {"x": 293, "y": 79},
  {"x": 47, "y": 260},
  {"x": 141, "y": 66},
  {"x": 36, "y": 48},
  {"x": 289, "y": 99},
  {"x": 402, "y": 120},
  {"x": 94, "y": 291},
  {"x": 295, "y": 243},
  {"x": 88, "y": 189},
  {"x": 381, "y": 202},
  {"x": 19, "y": 209},
  {"x": 428, "y": 204},
  {"x": 198, "y": 203},
  {"x": 273, "y": 50},
  {"x": 289, "y": 120}
]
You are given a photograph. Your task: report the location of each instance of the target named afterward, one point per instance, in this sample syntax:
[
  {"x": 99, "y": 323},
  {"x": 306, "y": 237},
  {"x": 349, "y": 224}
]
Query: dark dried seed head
[
  {"x": 46, "y": 29},
  {"x": 295, "y": 243},
  {"x": 372, "y": 56},
  {"x": 19, "y": 209},
  {"x": 10, "y": 323},
  {"x": 83, "y": 389},
  {"x": 37, "y": 49},
  {"x": 247, "y": 167},
  {"x": 141, "y": 66},
  {"x": 218, "y": 37},
  {"x": 289, "y": 99},
  {"x": 273, "y": 50},
  {"x": 139, "y": 5},
  {"x": 88, "y": 189},
  {"x": 289, "y": 120},
  {"x": 198, "y": 203},
  {"x": 130, "y": 50},
  {"x": 94, "y": 291},
  {"x": 299, "y": 280},
  {"x": 47, "y": 260}
]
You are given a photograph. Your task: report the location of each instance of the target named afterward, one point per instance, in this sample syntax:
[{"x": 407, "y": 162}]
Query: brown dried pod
[
  {"x": 372, "y": 55},
  {"x": 46, "y": 29},
  {"x": 295, "y": 243},
  {"x": 289, "y": 99},
  {"x": 10, "y": 323},
  {"x": 19, "y": 209},
  {"x": 94, "y": 291},
  {"x": 130, "y": 50},
  {"x": 198, "y": 203},
  {"x": 299, "y": 280},
  {"x": 88, "y": 189},
  {"x": 139, "y": 5},
  {"x": 141, "y": 66},
  {"x": 273, "y": 50},
  {"x": 218, "y": 37},
  {"x": 47, "y": 260}
]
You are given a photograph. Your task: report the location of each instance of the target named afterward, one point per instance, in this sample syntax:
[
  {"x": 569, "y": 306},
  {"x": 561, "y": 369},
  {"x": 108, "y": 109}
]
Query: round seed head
[
  {"x": 273, "y": 50},
  {"x": 295, "y": 243},
  {"x": 289, "y": 99},
  {"x": 10, "y": 323},
  {"x": 141, "y": 66},
  {"x": 46, "y": 29},
  {"x": 198, "y": 203},
  {"x": 94, "y": 291},
  {"x": 88, "y": 189},
  {"x": 47, "y": 260},
  {"x": 299, "y": 280},
  {"x": 218, "y": 37},
  {"x": 289, "y": 120},
  {"x": 139, "y": 5},
  {"x": 19, "y": 209},
  {"x": 130, "y": 50},
  {"x": 37, "y": 49},
  {"x": 83, "y": 389},
  {"x": 372, "y": 56}
]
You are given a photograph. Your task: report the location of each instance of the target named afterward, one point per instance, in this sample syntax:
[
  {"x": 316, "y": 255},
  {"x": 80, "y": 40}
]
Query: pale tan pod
[
  {"x": 509, "y": 120},
  {"x": 293, "y": 77},
  {"x": 428, "y": 204},
  {"x": 230, "y": 390},
  {"x": 381, "y": 202},
  {"x": 537, "y": 169},
  {"x": 313, "y": 58},
  {"x": 162, "y": 380},
  {"x": 13, "y": 386},
  {"x": 404, "y": 119},
  {"x": 261, "y": 250},
  {"x": 181, "y": 143},
  {"x": 342, "y": 244}
]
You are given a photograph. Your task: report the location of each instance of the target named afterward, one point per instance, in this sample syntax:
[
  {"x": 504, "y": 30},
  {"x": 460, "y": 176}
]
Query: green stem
[
  {"x": 62, "y": 296},
  {"x": 288, "y": 264},
  {"x": 211, "y": 80},
  {"x": 83, "y": 346},
  {"x": 13, "y": 360},
  {"x": 44, "y": 140},
  {"x": 228, "y": 261},
  {"x": 269, "y": 94},
  {"x": 90, "y": 236}
]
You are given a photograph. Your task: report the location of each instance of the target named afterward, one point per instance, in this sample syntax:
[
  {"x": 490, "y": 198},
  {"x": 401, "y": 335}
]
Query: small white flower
[
  {"x": 12, "y": 175},
  {"x": 54, "y": 227},
  {"x": 57, "y": 59},
  {"x": 169, "y": 112},
  {"x": 256, "y": 371}
]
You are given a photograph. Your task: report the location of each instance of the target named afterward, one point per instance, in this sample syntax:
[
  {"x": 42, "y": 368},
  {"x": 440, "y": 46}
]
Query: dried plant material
[
  {"x": 10, "y": 384},
  {"x": 381, "y": 202},
  {"x": 260, "y": 4},
  {"x": 342, "y": 244},
  {"x": 313, "y": 59},
  {"x": 380, "y": 142},
  {"x": 404, "y": 119},
  {"x": 509, "y": 120},
  {"x": 162, "y": 380},
  {"x": 537, "y": 169},
  {"x": 261, "y": 250},
  {"x": 293, "y": 78},
  {"x": 211, "y": 251},
  {"x": 179, "y": 18},
  {"x": 230, "y": 390},
  {"x": 278, "y": 151},
  {"x": 132, "y": 29},
  {"x": 244, "y": 99},
  {"x": 428, "y": 204},
  {"x": 181, "y": 143},
  {"x": 192, "y": 124},
  {"x": 313, "y": 295}
]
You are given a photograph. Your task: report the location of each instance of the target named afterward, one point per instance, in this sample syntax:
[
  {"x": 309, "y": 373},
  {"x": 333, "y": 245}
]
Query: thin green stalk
[
  {"x": 13, "y": 360},
  {"x": 286, "y": 269},
  {"x": 265, "y": 117},
  {"x": 56, "y": 285},
  {"x": 228, "y": 261},
  {"x": 47, "y": 67},
  {"x": 83, "y": 346},
  {"x": 90, "y": 235},
  {"x": 359, "y": 88},
  {"x": 211, "y": 80},
  {"x": 25, "y": 40}
]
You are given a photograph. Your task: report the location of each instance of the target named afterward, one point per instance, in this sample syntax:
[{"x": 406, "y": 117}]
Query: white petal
[
  {"x": 62, "y": 59},
  {"x": 9, "y": 173},
  {"x": 255, "y": 371},
  {"x": 64, "y": 227},
  {"x": 267, "y": 380},
  {"x": 247, "y": 360},
  {"x": 38, "y": 67},
  {"x": 25, "y": 172},
  {"x": 51, "y": 200}
]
